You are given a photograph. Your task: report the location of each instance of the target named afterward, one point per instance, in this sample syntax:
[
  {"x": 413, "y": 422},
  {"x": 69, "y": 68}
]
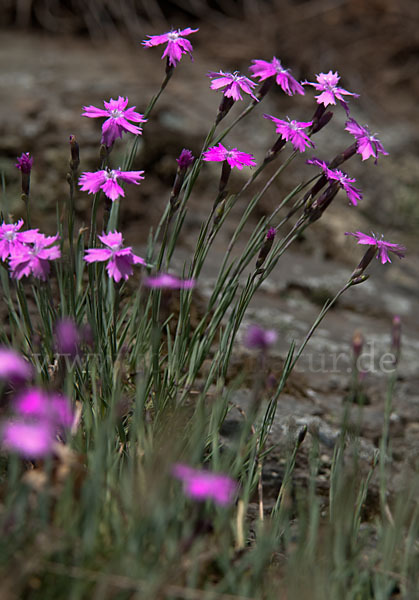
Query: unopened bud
[
  {"x": 276, "y": 148},
  {"x": 357, "y": 343},
  {"x": 317, "y": 208},
  {"x": 75, "y": 155},
  {"x": 343, "y": 156},
  {"x": 322, "y": 122},
  {"x": 360, "y": 279},
  {"x": 225, "y": 106},
  {"x": 24, "y": 164},
  {"x": 264, "y": 251},
  {"x": 365, "y": 261},
  {"x": 219, "y": 211},
  {"x": 301, "y": 435},
  {"x": 396, "y": 335},
  {"x": 263, "y": 89}
]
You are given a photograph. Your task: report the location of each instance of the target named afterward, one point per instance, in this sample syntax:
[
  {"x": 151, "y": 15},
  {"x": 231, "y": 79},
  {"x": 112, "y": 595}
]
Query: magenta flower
[
  {"x": 368, "y": 144},
  {"x": 34, "y": 256},
  {"x": 24, "y": 162},
  {"x": 67, "y": 337},
  {"x": 292, "y": 131},
  {"x": 118, "y": 121},
  {"x": 13, "y": 366},
  {"x": 234, "y": 157},
  {"x": 383, "y": 247},
  {"x": 176, "y": 44},
  {"x": 203, "y": 485},
  {"x": 120, "y": 260},
  {"x": 232, "y": 83},
  {"x": 344, "y": 181},
  {"x": 264, "y": 70},
  {"x": 327, "y": 84},
  {"x": 258, "y": 338},
  {"x": 11, "y": 239},
  {"x": 164, "y": 280},
  {"x": 107, "y": 180},
  {"x": 39, "y": 416}
]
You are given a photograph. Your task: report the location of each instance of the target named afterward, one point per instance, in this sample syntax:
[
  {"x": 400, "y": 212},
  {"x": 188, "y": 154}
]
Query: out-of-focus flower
[
  {"x": 13, "y": 366},
  {"x": 164, "y": 280},
  {"x": 34, "y": 256},
  {"x": 344, "y": 181},
  {"x": 11, "y": 239},
  {"x": 39, "y": 416},
  {"x": 120, "y": 260},
  {"x": 293, "y": 131},
  {"x": 107, "y": 180},
  {"x": 234, "y": 157},
  {"x": 258, "y": 338},
  {"x": 327, "y": 84},
  {"x": 367, "y": 143},
  {"x": 177, "y": 44},
  {"x": 383, "y": 248},
  {"x": 24, "y": 162},
  {"x": 233, "y": 84},
  {"x": 67, "y": 337},
  {"x": 203, "y": 485},
  {"x": 118, "y": 121},
  {"x": 264, "y": 70}
]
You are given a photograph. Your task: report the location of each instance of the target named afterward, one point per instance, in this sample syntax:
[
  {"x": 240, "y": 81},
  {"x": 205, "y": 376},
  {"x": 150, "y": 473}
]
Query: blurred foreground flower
[
  {"x": 13, "y": 366},
  {"x": 367, "y": 143},
  {"x": 164, "y": 280},
  {"x": 118, "y": 119},
  {"x": 24, "y": 162},
  {"x": 120, "y": 260},
  {"x": 266, "y": 70},
  {"x": 259, "y": 338},
  {"x": 176, "y": 44},
  {"x": 67, "y": 337},
  {"x": 107, "y": 180},
  {"x": 382, "y": 247},
  {"x": 202, "y": 485},
  {"x": 39, "y": 417}
]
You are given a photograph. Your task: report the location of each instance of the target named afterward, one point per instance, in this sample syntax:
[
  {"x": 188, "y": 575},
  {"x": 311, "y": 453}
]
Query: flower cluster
[{"x": 28, "y": 252}]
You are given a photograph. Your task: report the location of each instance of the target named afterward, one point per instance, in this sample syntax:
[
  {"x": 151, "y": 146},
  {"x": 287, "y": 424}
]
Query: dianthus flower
[
  {"x": 258, "y": 338},
  {"x": 39, "y": 416},
  {"x": 11, "y": 238},
  {"x": 34, "y": 256},
  {"x": 203, "y": 485},
  {"x": 118, "y": 121},
  {"x": 164, "y": 280},
  {"x": 383, "y": 248},
  {"x": 292, "y": 131},
  {"x": 344, "y": 181},
  {"x": 107, "y": 180},
  {"x": 234, "y": 157},
  {"x": 367, "y": 143},
  {"x": 13, "y": 366},
  {"x": 232, "y": 84},
  {"x": 176, "y": 44},
  {"x": 264, "y": 70},
  {"x": 120, "y": 260},
  {"x": 24, "y": 162},
  {"x": 327, "y": 84}
]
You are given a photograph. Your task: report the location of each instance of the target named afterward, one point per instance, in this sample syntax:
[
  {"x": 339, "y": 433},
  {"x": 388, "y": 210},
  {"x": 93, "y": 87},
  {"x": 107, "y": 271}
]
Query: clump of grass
[{"x": 116, "y": 480}]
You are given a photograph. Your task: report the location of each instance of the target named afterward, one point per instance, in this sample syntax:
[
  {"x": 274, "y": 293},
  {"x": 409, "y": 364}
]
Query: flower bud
[{"x": 264, "y": 251}]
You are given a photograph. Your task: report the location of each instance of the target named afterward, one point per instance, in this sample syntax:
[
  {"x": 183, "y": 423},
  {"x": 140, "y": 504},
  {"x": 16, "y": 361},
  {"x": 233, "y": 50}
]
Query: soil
[{"x": 45, "y": 79}]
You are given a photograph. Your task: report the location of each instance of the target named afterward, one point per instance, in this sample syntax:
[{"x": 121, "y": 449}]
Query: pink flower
[
  {"x": 368, "y": 144},
  {"x": 11, "y": 239},
  {"x": 118, "y": 121},
  {"x": 164, "y": 280},
  {"x": 39, "y": 416},
  {"x": 202, "y": 485},
  {"x": 292, "y": 131},
  {"x": 232, "y": 84},
  {"x": 234, "y": 157},
  {"x": 176, "y": 44},
  {"x": 259, "y": 338},
  {"x": 344, "y": 181},
  {"x": 120, "y": 260},
  {"x": 264, "y": 70},
  {"x": 13, "y": 366},
  {"x": 34, "y": 256},
  {"x": 24, "y": 162},
  {"x": 107, "y": 180},
  {"x": 67, "y": 337},
  {"x": 327, "y": 84},
  {"x": 383, "y": 247}
]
